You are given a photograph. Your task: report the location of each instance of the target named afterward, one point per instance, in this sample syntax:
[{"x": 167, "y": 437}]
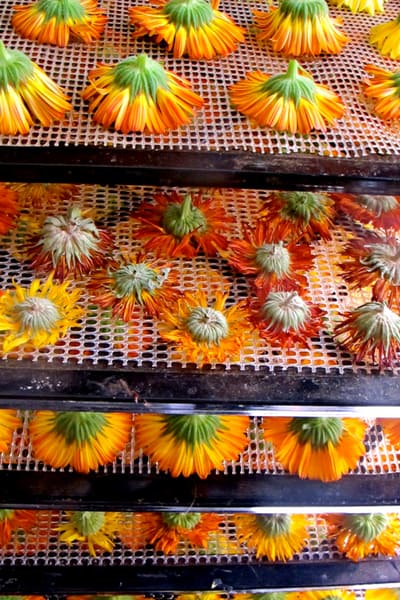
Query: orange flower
[
  {"x": 391, "y": 429},
  {"x": 138, "y": 94},
  {"x": 379, "y": 211},
  {"x": 13, "y": 522},
  {"x": 43, "y": 194},
  {"x": 384, "y": 89},
  {"x": 54, "y": 22},
  {"x": 183, "y": 225},
  {"x": 192, "y": 27},
  {"x": 9, "y": 422},
  {"x": 290, "y": 101},
  {"x": 8, "y": 208}
]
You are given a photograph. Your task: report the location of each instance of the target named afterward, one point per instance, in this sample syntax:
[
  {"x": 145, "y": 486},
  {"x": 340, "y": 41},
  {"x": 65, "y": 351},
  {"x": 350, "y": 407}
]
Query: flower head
[
  {"x": 183, "y": 225},
  {"x": 138, "y": 94},
  {"x": 327, "y": 595},
  {"x": 286, "y": 318},
  {"x": 386, "y": 38},
  {"x": 323, "y": 448},
  {"x": 300, "y": 27},
  {"x": 379, "y": 211},
  {"x": 38, "y": 195},
  {"x": 369, "y": 6},
  {"x": 290, "y": 101},
  {"x": 96, "y": 530},
  {"x": 204, "y": 333},
  {"x": 299, "y": 215},
  {"x": 56, "y": 21},
  {"x": 9, "y": 422},
  {"x": 363, "y": 535},
  {"x": 39, "y": 315},
  {"x": 8, "y": 208},
  {"x": 274, "y": 263},
  {"x": 372, "y": 328},
  {"x": 14, "y": 522},
  {"x": 69, "y": 245},
  {"x": 384, "y": 89},
  {"x": 192, "y": 27},
  {"x": 391, "y": 429},
  {"x": 27, "y": 94},
  {"x": 275, "y": 536},
  {"x": 187, "y": 444},
  {"x": 82, "y": 440}
]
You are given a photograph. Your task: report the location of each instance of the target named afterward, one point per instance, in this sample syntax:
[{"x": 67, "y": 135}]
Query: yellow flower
[
  {"x": 42, "y": 194},
  {"x": 138, "y": 94},
  {"x": 290, "y": 101},
  {"x": 369, "y": 6},
  {"x": 386, "y": 38},
  {"x": 55, "y": 21},
  {"x": 27, "y": 94},
  {"x": 192, "y": 27},
  {"x": 382, "y": 594},
  {"x": 327, "y": 595},
  {"x": 94, "y": 530},
  {"x": 274, "y": 536},
  {"x": 187, "y": 444},
  {"x": 40, "y": 314},
  {"x": 321, "y": 448},
  {"x": 83, "y": 440},
  {"x": 9, "y": 422},
  {"x": 384, "y": 89},
  {"x": 300, "y": 27}
]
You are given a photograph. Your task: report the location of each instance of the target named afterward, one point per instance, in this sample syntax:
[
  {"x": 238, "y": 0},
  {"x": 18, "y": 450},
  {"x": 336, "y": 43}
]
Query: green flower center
[
  {"x": 367, "y": 527},
  {"x": 286, "y": 310},
  {"x": 36, "y": 314},
  {"x": 375, "y": 321},
  {"x": 79, "y": 427},
  {"x": 207, "y": 325},
  {"x": 291, "y": 85},
  {"x": 304, "y": 9},
  {"x": 317, "y": 431},
  {"x": 6, "y": 513},
  {"x": 88, "y": 523},
  {"x": 274, "y": 525},
  {"x": 141, "y": 75},
  {"x": 194, "y": 430},
  {"x": 189, "y": 13},
  {"x": 15, "y": 68},
  {"x": 303, "y": 205},
  {"x": 181, "y": 219},
  {"x": 384, "y": 258},
  {"x": 273, "y": 258},
  {"x": 63, "y": 11},
  {"x": 184, "y": 520},
  {"x": 134, "y": 279},
  {"x": 378, "y": 205}
]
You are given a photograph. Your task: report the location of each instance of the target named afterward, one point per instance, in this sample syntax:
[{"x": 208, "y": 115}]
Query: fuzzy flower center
[
  {"x": 378, "y": 205},
  {"x": 140, "y": 75},
  {"x": 134, "y": 279},
  {"x": 189, "y": 13},
  {"x": 317, "y": 431},
  {"x": 194, "y": 430},
  {"x": 286, "y": 310},
  {"x": 79, "y": 427},
  {"x": 304, "y": 9},
  {"x": 274, "y": 525},
  {"x": 36, "y": 314},
  {"x": 367, "y": 527},
  {"x": 88, "y": 523},
  {"x": 6, "y": 513},
  {"x": 302, "y": 205},
  {"x": 184, "y": 520},
  {"x": 181, "y": 219},
  {"x": 273, "y": 258},
  {"x": 291, "y": 86},
  {"x": 207, "y": 325},
  {"x": 15, "y": 67},
  {"x": 61, "y": 10},
  {"x": 384, "y": 258},
  {"x": 376, "y": 321}
]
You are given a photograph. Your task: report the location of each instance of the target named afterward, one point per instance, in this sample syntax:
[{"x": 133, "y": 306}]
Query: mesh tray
[{"x": 217, "y": 126}]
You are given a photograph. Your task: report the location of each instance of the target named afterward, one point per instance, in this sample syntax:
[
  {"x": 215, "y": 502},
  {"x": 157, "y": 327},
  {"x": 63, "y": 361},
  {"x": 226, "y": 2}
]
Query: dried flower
[
  {"x": 8, "y": 208},
  {"x": 95, "y": 530},
  {"x": 384, "y": 89},
  {"x": 43, "y": 194},
  {"x": 386, "y": 38},
  {"x": 379, "y": 211}
]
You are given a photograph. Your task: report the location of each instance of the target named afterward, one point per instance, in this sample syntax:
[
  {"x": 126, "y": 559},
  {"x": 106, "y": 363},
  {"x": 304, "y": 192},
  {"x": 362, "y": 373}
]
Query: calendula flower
[
  {"x": 299, "y": 28},
  {"x": 183, "y": 224},
  {"x": 273, "y": 263},
  {"x": 286, "y": 318},
  {"x": 373, "y": 260},
  {"x": 372, "y": 328},
  {"x": 8, "y": 208},
  {"x": 27, "y": 94},
  {"x": 58, "y": 21},
  {"x": 14, "y": 522},
  {"x": 323, "y": 448},
  {"x": 166, "y": 530},
  {"x": 274, "y": 536},
  {"x": 38, "y": 195},
  {"x": 362, "y": 535},
  {"x": 201, "y": 596},
  {"x": 187, "y": 444},
  {"x": 192, "y": 27},
  {"x": 69, "y": 245},
  {"x": 138, "y": 94},
  {"x": 9, "y": 422},
  {"x": 133, "y": 282},
  {"x": 204, "y": 333},
  {"x": 290, "y": 101},
  {"x": 327, "y": 595},
  {"x": 379, "y": 211},
  {"x": 386, "y": 38},
  {"x": 391, "y": 429},
  {"x": 369, "y": 6},
  {"x": 94, "y": 530},
  {"x": 299, "y": 215},
  {"x": 82, "y": 440},
  {"x": 382, "y": 594},
  {"x": 40, "y": 314},
  {"x": 384, "y": 89}
]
